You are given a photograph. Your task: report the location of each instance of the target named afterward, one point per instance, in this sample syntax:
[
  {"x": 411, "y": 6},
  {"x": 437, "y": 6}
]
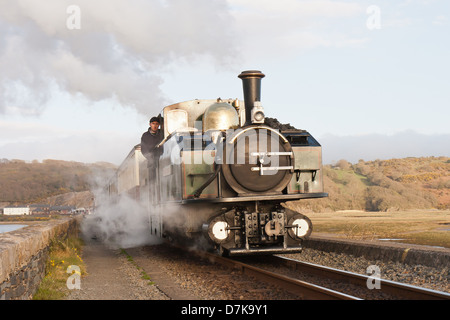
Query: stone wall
[{"x": 23, "y": 254}]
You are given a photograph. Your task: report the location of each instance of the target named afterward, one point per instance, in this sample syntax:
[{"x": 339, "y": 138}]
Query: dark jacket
[{"x": 149, "y": 141}]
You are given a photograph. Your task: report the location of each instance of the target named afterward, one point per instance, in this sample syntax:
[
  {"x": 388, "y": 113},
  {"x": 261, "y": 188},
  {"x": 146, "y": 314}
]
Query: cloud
[
  {"x": 298, "y": 8},
  {"x": 119, "y": 51},
  {"x": 440, "y": 20},
  {"x": 290, "y": 26},
  {"x": 379, "y": 146},
  {"x": 13, "y": 131},
  {"x": 30, "y": 141}
]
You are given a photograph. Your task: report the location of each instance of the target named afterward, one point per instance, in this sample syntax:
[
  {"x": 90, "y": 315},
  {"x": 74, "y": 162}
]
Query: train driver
[{"x": 150, "y": 139}]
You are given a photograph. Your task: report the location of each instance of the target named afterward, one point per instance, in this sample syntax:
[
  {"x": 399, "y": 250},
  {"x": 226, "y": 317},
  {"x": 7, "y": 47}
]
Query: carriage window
[{"x": 176, "y": 119}]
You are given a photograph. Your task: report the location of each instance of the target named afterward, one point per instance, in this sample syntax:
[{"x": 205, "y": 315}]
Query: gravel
[
  {"x": 206, "y": 281},
  {"x": 143, "y": 289},
  {"x": 417, "y": 275}
]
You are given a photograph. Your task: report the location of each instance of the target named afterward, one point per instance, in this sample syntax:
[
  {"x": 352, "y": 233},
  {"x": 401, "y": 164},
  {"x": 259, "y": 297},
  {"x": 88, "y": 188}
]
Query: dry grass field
[{"x": 426, "y": 227}]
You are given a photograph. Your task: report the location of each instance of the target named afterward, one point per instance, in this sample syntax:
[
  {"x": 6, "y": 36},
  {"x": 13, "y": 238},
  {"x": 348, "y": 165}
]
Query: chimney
[{"x": 251, "y": 81}]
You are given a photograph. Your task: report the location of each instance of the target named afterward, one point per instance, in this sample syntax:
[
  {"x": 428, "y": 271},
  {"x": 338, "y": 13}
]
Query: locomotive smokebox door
[{"x": 258, "y": 160}]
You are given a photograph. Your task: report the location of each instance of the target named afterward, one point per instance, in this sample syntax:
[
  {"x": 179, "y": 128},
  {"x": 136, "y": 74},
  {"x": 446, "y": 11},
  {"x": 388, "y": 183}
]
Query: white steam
[
  {"x": 119, "y": 222},
  {"x": 118, "y": 51}
]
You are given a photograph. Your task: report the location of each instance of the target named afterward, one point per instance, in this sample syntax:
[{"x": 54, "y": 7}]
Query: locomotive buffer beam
[{"x": 258, "y": 232}]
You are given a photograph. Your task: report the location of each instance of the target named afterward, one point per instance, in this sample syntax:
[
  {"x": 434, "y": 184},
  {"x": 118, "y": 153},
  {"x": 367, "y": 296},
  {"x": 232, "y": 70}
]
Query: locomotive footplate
[{"x": 263, "y": 250}]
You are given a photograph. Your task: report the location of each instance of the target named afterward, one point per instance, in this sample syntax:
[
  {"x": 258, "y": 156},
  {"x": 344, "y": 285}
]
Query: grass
[
  {"x": 417, "y": 227},
  {"x": 363, "y": 179},
  {"x": 62, "y": 254},
  {"x": 441, "y": 238},
  {"x": 144, "y": 275},
  {"x": 23, "y": 218}
]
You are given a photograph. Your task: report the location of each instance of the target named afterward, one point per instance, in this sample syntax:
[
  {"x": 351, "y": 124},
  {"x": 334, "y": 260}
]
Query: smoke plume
[{"x": 106, "y": 49}]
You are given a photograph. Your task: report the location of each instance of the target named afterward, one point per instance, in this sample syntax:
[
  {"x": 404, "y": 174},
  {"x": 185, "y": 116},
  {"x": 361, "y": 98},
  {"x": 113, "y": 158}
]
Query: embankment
[
  {"x": 377, "y": 250},
  {"x": 23, "y": 254}
]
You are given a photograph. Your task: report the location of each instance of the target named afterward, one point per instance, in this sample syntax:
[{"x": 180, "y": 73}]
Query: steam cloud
[
  {"x": 118, "y": 52},
  {"x": 119, "y": 222}
]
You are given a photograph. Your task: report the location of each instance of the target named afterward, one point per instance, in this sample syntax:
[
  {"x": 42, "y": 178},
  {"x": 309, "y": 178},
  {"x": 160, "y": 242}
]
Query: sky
[{"x": 79, "y": 79}]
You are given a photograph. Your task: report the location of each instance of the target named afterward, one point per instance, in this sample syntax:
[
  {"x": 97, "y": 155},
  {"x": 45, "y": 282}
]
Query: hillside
[
  {"x": 25, "y": 183},
  {"x": 385, "y": 185},
  {"x": 82, "y": 199}
]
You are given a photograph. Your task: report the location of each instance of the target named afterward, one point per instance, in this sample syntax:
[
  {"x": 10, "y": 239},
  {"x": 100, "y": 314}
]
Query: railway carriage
[{"x": 221, "y": 175}]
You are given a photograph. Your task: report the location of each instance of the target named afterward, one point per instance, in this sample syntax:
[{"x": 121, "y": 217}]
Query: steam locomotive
[{"x": 221, "y": 175}]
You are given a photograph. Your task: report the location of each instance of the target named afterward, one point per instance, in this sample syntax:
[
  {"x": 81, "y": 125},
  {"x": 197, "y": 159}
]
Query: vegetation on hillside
[
  {"x": 24, "y": 183},
  {"x": 385, "y": 185}
]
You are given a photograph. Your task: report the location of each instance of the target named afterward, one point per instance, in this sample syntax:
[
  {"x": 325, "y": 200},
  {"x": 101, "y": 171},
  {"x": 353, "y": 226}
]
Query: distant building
[
  {"x": 61, "y": 209},
  {"x": 10, "y": 211},
  {"x": 39, "y": 208}
]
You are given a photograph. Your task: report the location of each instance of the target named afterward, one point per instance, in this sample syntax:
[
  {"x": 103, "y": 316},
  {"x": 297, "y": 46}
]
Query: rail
[
  {"x": 398, "y": 289},
  {"x": 309, "y": 291},
  {"x": 304, "y": 290}
]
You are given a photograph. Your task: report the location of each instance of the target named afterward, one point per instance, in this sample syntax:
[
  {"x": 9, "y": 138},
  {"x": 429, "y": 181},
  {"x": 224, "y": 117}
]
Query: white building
[{"x": 16, "y": 211}]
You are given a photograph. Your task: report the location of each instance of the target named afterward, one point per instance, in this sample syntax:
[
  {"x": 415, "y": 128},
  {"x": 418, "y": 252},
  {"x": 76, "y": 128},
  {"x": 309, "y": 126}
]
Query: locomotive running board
[
  {"x": 282, "y": 197},
  {"x": 268, "y": 250}
]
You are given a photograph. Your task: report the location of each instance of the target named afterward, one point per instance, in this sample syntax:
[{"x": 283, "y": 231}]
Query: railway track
[
  {"x": 367, "y": 283},
  {"x": 351, "y": 286}
]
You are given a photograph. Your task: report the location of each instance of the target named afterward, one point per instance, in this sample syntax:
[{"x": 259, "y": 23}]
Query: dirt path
[{"x": 110, "y": 276}]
